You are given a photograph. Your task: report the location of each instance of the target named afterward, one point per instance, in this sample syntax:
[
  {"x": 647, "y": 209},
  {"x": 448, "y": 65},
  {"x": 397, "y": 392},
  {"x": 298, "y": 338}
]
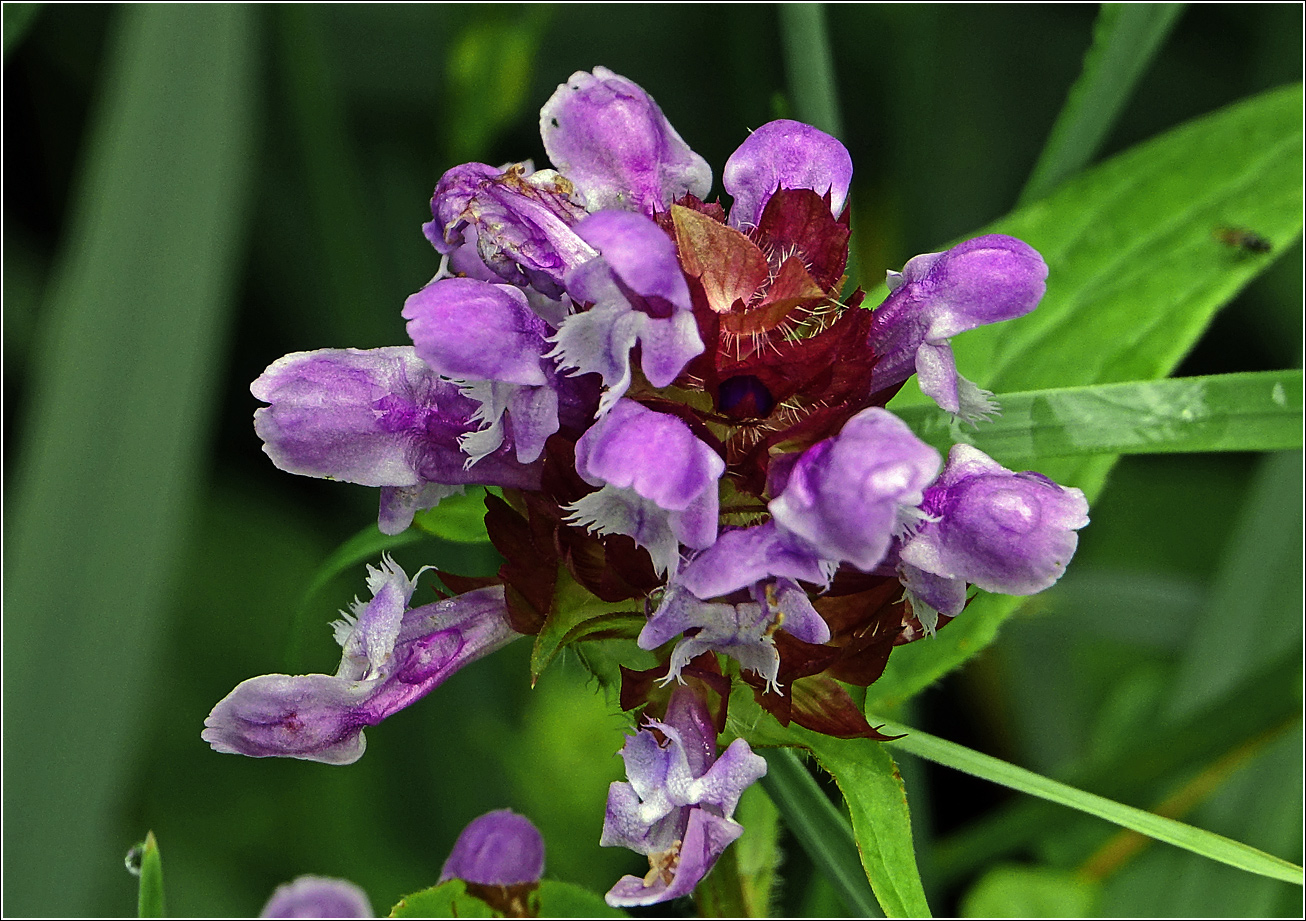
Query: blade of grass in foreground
[
  {"x": 1205, "y": 843},
  {"x": 149, "y": 900},
  {"x": 1258, "y": 411},
  {"x": 119, "y": 402},
  {"x": 1126, "y": 37}
]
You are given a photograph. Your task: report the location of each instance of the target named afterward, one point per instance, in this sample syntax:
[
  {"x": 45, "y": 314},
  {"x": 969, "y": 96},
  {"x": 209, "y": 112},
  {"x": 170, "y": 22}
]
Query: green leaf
[
  {"x": 119, "y": 411},
  {"x": 567, "y": 900},
  {"x": 460, "y": 519},
  {"x": 447, "y": 900},
  {"x": 1205, "y": 843},
  {"x": 1259, "y": 411},
  {"x": 1126, "y": 37},
  {"x": 575, "y": 614},
  {"x": 553, "y": 900},
  {"x": 1014, "y": 891},
  {"x": 145, "y": 859},
  {"x": 1136, "y": 269},
  {"x": 1135, "y": 276},
  {"x": 873, "y": 791},
  {"x": 819, "y": 828},
  {"x": 757, "y": 852}
]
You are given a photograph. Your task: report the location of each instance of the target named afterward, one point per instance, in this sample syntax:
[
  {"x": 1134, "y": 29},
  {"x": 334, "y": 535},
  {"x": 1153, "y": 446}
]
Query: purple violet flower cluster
[{"x": 683, "y": 412}]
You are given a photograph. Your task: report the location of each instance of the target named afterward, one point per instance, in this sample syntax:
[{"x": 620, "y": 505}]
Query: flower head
[
  {"x": 318, "y": 897},
  {"x": 678, "y": 802},
  {"x": 500, "y": 848}
]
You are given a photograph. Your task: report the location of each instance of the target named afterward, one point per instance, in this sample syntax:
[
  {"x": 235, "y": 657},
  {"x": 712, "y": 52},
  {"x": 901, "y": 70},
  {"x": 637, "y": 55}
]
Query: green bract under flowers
[{"x": 684, "y": 410}]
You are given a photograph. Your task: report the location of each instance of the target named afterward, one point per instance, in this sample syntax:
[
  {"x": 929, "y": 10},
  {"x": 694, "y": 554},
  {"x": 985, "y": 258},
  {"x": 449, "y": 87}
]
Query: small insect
[{"x": 1249, "y": 241}]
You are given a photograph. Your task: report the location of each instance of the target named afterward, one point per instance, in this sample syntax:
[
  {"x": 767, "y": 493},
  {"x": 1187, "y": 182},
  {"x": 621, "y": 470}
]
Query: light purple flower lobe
[
  {"x": 500, "y": 848},
  {"x": 318, "y": 897},
  {"x": 608, "y": 136},
  {"x": 785, "y": 154}
]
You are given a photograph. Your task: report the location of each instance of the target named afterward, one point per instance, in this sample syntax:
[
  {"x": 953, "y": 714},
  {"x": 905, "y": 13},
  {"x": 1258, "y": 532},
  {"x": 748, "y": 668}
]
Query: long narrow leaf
[
  {"x": 1126, "y": 37},
  {"x": 1199, "y": 739},
  {"x": 119, "y": 404},
  {"x": 1260, "y": 411},
  {"x": 819, "y": 828},
  {"x": 1205, "y": 843},
  {"x": 809, "y": 66},
  {"x": 149, "y": 898}
]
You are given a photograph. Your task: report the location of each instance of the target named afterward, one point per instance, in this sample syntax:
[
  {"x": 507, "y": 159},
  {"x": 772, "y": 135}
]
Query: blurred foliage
[{"x": 1186, "y": 583}]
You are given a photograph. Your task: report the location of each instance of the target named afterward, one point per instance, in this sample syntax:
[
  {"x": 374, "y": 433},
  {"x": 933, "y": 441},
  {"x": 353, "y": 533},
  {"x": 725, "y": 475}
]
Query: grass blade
[
  {"x": 1126, "y": 37},
  {"x": 119, "y": 403},
  {"x": 1258, "y": 411},
  {"x": 149, "y": 899},
  {"x": 809, "y": 66},
  {"x": 1205, "y": 843}
]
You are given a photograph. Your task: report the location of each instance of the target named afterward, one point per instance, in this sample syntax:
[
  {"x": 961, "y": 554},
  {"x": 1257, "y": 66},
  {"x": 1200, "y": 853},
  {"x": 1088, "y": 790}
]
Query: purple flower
[
  {"x": 500, "y": 848},
  {"x": 842, "y": 501},
  {"x": 659, "y": 482},
  {"x": 318, "y": 897},
  {"x": 514, "y": 222},
  {"x": 742, "y": 631},
  {"x": 639, "y": 295},
  {"x": 391, "y": 657},
  {"x": 678, "y": 803},
  {"x": 1005, "y": 532},
  {"x": 380, "y": 417},
  {"x": 937, "y": 296},
  {"x": 488, "y": 339},
  {"x": 785, "y": 154},
  {"x": 608, "y": 136}
]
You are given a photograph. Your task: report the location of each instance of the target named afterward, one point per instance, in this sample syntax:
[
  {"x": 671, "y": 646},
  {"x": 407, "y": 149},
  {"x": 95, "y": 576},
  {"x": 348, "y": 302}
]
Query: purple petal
[
  {"x": 318, "y": 897},
  {"x": 706, "y": 837},
  {"x": 938, "y": 295},
  {"x": 844, "y": 495},
  {"x": 733, "y": 773},
  {"x": 321, "y": 717},
  {"x": 608, "y": 136},
  {"x": 465, "y": 328},
  {"x": 746, "y": 556},
  {"x": 785, "y": 154},
  {"x": 741, "y": 631},
  {"x": 500, "y": 848},
  {"x": 655, "y": 454},
  {"x": 518, "y": 223},
  {"x": 1005, "y": 532},
  {"x": 381, "y": 417},
  {"x": 311, "y": 717},
  {"x": 932, "y": 595},
  {"x": 639, "y": 294},
  {"x": 640, "y": 256},
  {"x": 659, "y": 482},
  {"x": 801, "y": 619}
]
